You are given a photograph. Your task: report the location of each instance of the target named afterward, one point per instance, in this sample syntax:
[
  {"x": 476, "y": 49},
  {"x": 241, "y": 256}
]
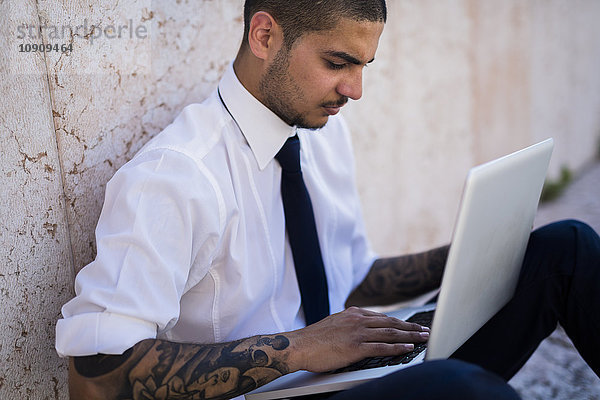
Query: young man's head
[
  {"x": 302, "y": 16},
  {"x": 304, "y": 59}
]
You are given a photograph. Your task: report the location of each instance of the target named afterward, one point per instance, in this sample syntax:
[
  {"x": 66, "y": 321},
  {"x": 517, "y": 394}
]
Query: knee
[
  {"x": 565, "y": 238},
  {"x": 560, "y": 231}
]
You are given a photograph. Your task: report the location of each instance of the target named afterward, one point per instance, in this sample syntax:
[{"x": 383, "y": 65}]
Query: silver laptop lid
[{"x": 490, "y": 237}]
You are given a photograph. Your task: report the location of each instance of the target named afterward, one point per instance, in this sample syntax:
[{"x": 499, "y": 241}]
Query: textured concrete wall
[
  {"x": 35, "y": 251},
  {"x": 455, "y": 83}
]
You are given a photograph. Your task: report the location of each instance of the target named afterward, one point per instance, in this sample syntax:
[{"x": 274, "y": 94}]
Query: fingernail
[
  {"x": 409, "y": 346},
  {"x": 424, "y": 335},
  {"x": 425, "y": 329}
]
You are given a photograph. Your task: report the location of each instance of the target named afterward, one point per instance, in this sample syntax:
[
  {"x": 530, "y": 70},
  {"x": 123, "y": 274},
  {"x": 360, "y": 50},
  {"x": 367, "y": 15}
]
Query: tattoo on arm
[
  {"x": 391, "y": 280},
  {"x": 157, "y": 369}
]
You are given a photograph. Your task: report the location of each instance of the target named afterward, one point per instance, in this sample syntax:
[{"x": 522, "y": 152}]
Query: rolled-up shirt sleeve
[{"x": 159, "y": 221}]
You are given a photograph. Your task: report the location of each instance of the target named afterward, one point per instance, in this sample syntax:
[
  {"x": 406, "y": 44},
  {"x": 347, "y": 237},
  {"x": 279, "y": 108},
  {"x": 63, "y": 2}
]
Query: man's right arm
[{"x": 158, "y": 369}]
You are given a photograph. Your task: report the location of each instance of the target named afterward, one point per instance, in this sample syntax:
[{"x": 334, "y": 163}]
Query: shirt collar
[{"x": 264, "y": 131}]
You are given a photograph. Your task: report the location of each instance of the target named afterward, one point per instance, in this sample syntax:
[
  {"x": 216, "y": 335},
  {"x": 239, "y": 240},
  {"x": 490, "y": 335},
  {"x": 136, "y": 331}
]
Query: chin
[{"x": 312, "y": 124}]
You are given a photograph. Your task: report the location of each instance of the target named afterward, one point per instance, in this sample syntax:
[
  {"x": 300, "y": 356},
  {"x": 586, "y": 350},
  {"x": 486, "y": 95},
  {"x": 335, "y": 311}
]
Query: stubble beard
[{"x": 278, "y": 89}]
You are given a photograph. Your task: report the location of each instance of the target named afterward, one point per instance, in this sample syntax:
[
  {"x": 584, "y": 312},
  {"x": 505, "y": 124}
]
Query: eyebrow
[{"x": 347, "y": 57}]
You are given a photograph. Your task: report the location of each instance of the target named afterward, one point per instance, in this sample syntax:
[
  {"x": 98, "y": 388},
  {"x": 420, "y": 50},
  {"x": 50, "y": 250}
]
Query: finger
[
  {"x": 391, "y": 322},
  {"x": 392, "y": 335},
  {"x": 365, "y": 312},
  {"x": 376, "y": 320},
  {"x": 386, "y": 349}
]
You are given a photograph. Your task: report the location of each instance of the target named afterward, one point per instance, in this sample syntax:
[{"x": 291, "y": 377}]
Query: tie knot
[{"x": 289, "y": 155}]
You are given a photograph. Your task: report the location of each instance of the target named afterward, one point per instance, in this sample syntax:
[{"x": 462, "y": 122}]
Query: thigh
[{"x": 444, "y": 379}]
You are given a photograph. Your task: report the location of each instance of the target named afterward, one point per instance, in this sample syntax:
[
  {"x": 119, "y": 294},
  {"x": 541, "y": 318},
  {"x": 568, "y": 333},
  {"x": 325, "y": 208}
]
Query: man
[{"x": 195, "y": 293}]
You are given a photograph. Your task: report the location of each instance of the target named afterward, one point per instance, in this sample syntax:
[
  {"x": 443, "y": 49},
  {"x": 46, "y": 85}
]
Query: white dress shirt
[{"x": 191, "y": 241}]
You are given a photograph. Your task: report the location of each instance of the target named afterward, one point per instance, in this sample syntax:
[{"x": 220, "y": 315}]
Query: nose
[{"x": 351, "y": 84}]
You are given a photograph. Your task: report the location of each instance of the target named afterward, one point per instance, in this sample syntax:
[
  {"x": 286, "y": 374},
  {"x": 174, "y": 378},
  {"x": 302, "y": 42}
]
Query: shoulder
[
  {"x": 195, "y": 132},
  {"x": 173, "y": 163}
]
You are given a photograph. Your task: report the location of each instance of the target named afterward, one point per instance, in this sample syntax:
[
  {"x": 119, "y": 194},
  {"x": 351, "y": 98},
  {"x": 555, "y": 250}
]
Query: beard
[{"x": 278, "y": 88}]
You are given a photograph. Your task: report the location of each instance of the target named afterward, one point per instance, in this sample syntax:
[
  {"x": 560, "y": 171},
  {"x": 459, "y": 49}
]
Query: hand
[{"x": 352, "y": 335}]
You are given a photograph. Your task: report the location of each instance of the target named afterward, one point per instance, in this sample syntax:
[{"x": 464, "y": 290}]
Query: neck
[{"x": 248, "y": 69}]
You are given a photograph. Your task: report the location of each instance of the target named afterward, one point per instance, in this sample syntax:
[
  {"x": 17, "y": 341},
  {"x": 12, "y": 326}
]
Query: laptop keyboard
[{"x": 422, "y": 318}]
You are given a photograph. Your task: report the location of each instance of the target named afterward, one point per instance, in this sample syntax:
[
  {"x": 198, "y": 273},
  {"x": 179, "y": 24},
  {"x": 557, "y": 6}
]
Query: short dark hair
[{"x": 298, "y": 17}]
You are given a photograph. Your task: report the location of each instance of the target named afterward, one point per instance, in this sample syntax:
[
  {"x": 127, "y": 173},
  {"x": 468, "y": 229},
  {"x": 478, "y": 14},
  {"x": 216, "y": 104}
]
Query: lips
[
  {"x": 332, "y": 110},
  {"x": 334, "y": 107}
]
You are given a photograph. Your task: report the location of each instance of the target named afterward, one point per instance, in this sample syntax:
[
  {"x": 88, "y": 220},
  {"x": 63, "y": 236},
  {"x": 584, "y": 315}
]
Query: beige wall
[
  {"x": 461, "y": 82},
  {"x": 455, "y": 83}
]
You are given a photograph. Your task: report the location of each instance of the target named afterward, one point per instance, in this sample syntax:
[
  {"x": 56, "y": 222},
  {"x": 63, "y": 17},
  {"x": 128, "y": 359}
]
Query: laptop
[{"x": 498, "y": 206}]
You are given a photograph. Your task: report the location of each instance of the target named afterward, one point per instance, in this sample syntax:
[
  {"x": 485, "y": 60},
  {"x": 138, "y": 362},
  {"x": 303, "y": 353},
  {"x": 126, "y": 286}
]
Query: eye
[{"x": 335, "y": 66}]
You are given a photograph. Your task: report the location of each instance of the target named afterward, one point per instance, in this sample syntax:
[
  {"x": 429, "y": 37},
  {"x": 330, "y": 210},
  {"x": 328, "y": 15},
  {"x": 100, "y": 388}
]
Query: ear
[{"x": 264, "y": 36}]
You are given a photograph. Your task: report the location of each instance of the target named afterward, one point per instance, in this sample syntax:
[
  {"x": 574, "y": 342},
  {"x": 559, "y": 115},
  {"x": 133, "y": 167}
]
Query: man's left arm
[{"x": 391, "y": 280}]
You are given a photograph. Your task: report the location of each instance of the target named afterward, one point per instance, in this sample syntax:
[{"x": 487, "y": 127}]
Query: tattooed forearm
[
  {"x": 157, "y": 369},
  {"x": 400, "y": 278}
]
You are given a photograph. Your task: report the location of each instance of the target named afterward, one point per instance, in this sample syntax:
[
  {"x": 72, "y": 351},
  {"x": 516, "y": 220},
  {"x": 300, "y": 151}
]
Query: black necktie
[{"x": 302, "y": 233}]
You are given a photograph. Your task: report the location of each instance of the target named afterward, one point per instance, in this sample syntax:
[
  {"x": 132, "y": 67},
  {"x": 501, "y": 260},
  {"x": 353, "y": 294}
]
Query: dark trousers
[{"x": 559, "y": 283}]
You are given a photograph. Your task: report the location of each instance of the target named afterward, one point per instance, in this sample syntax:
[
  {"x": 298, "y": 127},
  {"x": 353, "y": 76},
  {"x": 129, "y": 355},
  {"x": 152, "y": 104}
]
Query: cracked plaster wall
[
  {"x": 35, "y": 254},
  {"x": 455, "y": 83}
]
